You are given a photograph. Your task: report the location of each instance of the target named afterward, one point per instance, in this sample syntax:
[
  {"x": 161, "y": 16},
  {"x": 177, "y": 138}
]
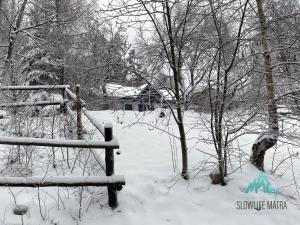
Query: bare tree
[{"x": 222, "y": 79}]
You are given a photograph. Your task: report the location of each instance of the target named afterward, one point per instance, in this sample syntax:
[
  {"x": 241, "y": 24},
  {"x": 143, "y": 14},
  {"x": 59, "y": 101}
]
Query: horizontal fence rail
[
  {"x": 37, "y": 103},
  {"x": 113, "y": 144},
  {"x": 61, "y": 181},
  {"x": 34, "y": 87}
]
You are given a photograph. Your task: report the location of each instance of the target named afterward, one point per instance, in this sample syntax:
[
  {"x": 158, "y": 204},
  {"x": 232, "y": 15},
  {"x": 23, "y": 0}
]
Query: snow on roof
[
  {"x": 117, "y": 90},
  {"x": 200, "y": 87},
  {"x": 167, "y": 94}
]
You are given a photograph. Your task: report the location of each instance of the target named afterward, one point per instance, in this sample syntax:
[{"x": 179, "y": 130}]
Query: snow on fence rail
[
  {"x": 98, "y": 125},
  {"x": 113, "y": 182},
  {"x": 37, "y": 103},
  {"x": 62, "y": 181},
  {"x": 34, "y": 87},
  {"x": 113, "y": 144},
  {"x": 70, "y": 93}
]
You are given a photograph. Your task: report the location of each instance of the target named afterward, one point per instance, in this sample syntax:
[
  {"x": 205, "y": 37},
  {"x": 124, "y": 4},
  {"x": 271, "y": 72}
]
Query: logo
[{"x": 261, "y": 183}]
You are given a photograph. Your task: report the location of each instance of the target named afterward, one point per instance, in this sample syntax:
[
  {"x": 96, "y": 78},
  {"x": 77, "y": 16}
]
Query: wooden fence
[{"x": 113, "y": 182}]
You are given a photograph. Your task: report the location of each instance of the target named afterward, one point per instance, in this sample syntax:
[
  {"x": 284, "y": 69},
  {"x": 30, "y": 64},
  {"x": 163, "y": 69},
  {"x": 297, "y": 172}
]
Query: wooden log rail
[
  {"x": 70, "y": 94},
  {"x": 34, "y": 87},
  {"x": 112, "y": 144},
  {"x": 37, "y": 103},
  {"x": 116, "y": 180},
  {"x": 98, "y": 125}
]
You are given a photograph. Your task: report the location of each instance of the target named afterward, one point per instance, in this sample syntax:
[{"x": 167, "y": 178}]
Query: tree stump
[
  {"x": 215, "y": 177},
  {"x": 20, "y": 210},
  {"x": 259, "y": 149}
]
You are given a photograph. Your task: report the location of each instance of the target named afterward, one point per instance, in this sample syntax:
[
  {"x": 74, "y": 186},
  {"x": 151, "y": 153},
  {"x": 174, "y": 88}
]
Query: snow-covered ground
[{"x": 154, "y": 192}]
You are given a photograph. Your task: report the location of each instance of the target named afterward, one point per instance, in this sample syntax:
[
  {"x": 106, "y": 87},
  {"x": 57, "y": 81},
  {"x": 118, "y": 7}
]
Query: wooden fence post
[
  {"x": 78, "y": 110},
  {"x": 109, "y": 164},
  {"x": 64, "y": 105}
]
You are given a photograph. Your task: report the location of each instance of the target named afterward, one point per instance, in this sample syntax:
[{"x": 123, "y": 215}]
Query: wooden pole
[
  {"x": 78, "y": 110},
  {"x": 109, "y": 163},
  {"x": 64, "y": 105}
]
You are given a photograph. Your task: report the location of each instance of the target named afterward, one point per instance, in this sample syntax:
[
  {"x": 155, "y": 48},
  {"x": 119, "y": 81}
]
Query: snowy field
[{"x": 154, "y": 192}]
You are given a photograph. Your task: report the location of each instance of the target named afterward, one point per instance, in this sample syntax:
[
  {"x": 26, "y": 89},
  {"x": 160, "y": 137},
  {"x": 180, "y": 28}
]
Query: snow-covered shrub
[
  {"x": 40, "y": 67},
  {"x": 38, "y": 96},
  {"x": 48, "y": 110},
  {"x": 51, "y": 110}
]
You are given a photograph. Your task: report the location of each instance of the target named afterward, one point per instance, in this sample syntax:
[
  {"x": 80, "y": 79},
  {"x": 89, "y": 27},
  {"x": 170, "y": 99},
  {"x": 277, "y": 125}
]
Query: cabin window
[
  {"x": 142, "y": 107},
  {"x": 128, "y": 107}
]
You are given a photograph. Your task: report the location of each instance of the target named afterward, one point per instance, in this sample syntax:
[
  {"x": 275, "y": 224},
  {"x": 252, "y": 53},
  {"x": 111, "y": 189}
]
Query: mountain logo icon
[{"x": 261, "y": 183}]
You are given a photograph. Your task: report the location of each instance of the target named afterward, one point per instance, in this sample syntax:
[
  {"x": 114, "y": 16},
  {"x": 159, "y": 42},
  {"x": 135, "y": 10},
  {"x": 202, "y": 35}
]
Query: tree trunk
[
  {"x": 12, "y": 40},
  {"x": 184, "y": 172},
  {"x": 268, "y": 139},
  {"x": 175, "y": 63},
  {"x": 1, "y": 28},
  {"x": 105, "y": 97},
  {"x": 1, "y": 13}
]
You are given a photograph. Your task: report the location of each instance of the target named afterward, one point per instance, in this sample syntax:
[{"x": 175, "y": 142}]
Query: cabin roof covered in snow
[
  {"x": 202, "y": 86},
  {"x": 166, "y": 94},
  {"x": 120, "y": 91}
]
